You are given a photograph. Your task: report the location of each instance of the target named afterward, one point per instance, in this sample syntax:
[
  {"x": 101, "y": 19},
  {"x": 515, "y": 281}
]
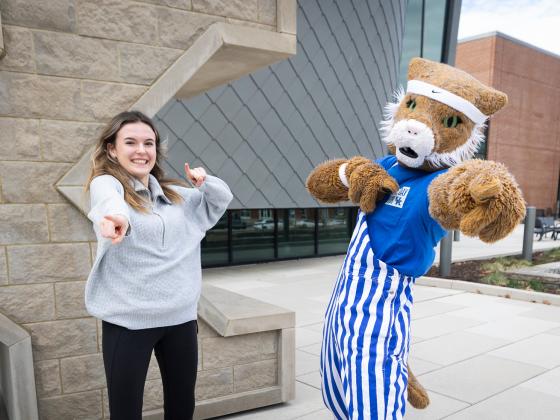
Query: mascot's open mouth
[{"x": 407, "y": 151}]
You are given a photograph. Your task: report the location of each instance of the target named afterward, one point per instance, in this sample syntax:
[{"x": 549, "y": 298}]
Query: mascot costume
[{"x": 407, "y": 200}]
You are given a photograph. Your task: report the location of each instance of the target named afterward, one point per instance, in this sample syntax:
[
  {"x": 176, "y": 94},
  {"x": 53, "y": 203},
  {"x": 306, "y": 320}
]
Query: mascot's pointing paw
[{"x": 407, "y": 200}]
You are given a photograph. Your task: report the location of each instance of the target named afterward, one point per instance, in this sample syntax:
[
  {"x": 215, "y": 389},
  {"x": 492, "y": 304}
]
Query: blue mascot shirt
[{"x": 401, "y": 230}]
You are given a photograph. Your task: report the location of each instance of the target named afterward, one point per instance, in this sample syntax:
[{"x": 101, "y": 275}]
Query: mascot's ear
[
  {"x": 485, "y": 98},
  {"x": 419, "y": 68},
  {"x": 491, "y": 100}
]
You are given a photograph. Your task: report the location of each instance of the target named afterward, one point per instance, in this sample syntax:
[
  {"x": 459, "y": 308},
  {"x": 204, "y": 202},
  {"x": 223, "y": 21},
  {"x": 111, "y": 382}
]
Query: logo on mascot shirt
[{"x": 397, "y": 199}]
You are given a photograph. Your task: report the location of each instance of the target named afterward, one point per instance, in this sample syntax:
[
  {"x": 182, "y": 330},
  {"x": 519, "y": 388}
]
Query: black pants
[{"x": 126, "y": 355}]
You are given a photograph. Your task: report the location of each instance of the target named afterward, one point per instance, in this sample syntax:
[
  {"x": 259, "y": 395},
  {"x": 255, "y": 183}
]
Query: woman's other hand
[
  {"x": 196, "y": 175},
  {"x": 114, "y": 227}
]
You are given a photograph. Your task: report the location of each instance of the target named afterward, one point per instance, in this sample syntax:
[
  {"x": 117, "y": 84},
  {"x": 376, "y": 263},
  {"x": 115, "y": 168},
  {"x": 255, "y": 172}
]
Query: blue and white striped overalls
[{"x": 366, "y": 336}]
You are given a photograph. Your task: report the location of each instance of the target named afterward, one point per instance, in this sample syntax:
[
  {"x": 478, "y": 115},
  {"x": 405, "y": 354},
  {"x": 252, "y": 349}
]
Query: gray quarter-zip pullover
[{"x": 153, "y": 277}]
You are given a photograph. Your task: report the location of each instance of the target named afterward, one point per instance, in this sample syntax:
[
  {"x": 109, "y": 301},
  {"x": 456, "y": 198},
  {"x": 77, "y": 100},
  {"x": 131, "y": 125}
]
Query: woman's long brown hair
[{"x": 103, "y": 164}]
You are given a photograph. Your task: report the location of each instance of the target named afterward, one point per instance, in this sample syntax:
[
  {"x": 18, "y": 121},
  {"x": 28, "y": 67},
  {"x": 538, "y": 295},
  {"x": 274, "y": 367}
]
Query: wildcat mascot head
[{"x": 439, "y": 121}]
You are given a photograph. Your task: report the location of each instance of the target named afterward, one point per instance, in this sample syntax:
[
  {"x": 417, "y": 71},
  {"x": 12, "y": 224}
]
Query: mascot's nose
[{"x": 415, "y": 128}]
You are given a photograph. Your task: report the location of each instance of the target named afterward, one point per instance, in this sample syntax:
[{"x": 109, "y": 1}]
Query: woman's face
[{"x": 135, "y": 150}]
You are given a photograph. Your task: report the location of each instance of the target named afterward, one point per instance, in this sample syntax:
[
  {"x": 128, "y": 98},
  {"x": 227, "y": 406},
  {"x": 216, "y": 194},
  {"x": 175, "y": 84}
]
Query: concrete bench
[
  {"x": 246, "y": 354},
  {"x": 545, "y": 225}
]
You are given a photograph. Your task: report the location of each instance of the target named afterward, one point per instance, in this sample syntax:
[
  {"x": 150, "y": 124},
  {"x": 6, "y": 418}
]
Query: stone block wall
[
  {"x": 230, "y": 365},
  {"x": 69, "y": 66}
]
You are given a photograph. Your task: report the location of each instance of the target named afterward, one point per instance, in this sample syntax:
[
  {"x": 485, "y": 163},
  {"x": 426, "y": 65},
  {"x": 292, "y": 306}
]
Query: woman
[{"x": 145, "y": 281}]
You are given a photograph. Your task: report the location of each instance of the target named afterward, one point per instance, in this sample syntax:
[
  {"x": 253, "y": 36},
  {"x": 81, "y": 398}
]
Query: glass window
[
  {"x": 265, "y": 213},
  {"x": 296, "y": 233},
  {"x": 412, "y": 42},
  {"x": 215, "y": 244},
  {"x": 434, "y": 23},
  {"x": 252, "y": 237},
  {"x": 482, "y": 152},
  {"x": 424, "y": 32},
  {"x": 292, "y": 231},
  {"x": 335, "y": 230}
]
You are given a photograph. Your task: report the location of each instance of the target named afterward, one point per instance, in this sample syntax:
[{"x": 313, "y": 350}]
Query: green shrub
[
  {"x": 504, "y": 264},
  {"x": 536, "y": 285},
  {"x": 551, "y": 255},
  {"x": 496, "y": 278}
]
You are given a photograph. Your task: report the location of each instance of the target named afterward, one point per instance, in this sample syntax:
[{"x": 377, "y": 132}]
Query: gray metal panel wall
[{"x": 264, "y": 133}]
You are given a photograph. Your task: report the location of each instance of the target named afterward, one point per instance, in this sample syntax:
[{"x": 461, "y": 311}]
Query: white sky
[{"x": 536, "y": 22}]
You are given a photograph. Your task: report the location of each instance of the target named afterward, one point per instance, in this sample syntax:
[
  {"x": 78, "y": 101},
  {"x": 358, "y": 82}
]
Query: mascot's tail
[{"x": 417, "y": 395}]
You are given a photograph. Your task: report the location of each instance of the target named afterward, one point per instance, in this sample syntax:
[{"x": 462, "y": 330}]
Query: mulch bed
[{"x": 467, "y": 270}]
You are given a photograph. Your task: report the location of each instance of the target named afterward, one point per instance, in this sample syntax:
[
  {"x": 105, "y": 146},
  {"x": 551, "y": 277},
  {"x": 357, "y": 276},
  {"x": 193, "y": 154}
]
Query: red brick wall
[{"x": 525, "y": 135}]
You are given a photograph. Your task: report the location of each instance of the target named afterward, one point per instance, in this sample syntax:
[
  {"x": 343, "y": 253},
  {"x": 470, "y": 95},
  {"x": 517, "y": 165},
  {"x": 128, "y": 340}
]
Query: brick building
[{"x": 525, "y": 135}]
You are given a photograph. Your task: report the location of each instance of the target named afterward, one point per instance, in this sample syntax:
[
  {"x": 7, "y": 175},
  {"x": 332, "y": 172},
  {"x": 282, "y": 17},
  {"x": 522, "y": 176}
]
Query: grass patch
[
  {"x": 495, "y": 273},
  {"x": 551, "y": 255}
]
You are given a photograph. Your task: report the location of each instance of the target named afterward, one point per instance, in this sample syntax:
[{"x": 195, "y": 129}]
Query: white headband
[{"x": 447, "y": 98}]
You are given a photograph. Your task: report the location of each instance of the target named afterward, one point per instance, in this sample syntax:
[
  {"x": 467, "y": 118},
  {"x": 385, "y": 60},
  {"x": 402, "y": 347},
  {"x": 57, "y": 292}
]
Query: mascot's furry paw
[
  {"x": 478, "y": 197},
  {"x": 368, "y": 183},
  {"x": 417, "y": 395}
]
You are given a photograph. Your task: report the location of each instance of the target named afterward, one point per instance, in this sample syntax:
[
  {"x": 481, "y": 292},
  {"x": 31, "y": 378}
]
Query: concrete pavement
[{"x": 479, "y": 356}]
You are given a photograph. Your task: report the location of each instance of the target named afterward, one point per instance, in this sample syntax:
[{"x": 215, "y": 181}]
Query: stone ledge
[
  {"x": 490, "y": 290},
  {"x": 16, "y": 365},
  {"x": 10, "y": 332},
  {"x": 233, "y": 314},
  {"x": 223, "y": 53},
  {"x": 286, "y": 16},
  {"x": 240, "y": 50},
  {"x": 549, "y": 270},
  {"x": 2, "y": 49}
]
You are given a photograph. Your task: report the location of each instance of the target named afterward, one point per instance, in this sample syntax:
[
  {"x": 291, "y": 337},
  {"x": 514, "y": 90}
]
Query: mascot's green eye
[
  {"x": 411, "y": 104},
  {"x": 451, "y": 122}
]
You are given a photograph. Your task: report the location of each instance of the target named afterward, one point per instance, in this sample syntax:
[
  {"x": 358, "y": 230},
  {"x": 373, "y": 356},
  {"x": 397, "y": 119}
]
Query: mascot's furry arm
[
  {"x": 480, "y": 198},
  {"x": 366, "y": 182}
]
